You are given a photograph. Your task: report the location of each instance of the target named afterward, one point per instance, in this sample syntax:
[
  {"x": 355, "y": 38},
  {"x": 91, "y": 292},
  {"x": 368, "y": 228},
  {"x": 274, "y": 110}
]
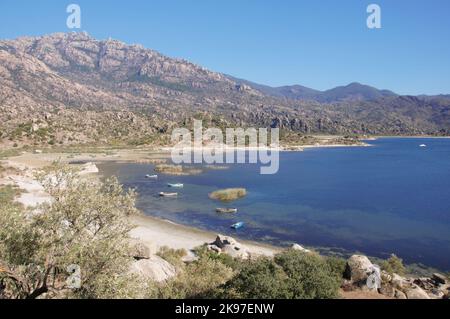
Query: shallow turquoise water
[{"x": 389, "y": 198}]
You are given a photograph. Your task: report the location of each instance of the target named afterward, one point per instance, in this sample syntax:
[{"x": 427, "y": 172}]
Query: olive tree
[{"x": 83, "y": 229}]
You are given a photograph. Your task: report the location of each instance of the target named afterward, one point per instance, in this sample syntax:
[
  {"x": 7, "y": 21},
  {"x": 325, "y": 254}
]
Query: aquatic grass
[{"x": 229, "y": 194}]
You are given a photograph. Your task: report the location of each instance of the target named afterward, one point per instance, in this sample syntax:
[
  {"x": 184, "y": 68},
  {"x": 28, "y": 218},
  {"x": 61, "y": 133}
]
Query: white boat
[
  {"x": 176, "y": 185},
  {"x": 151, "y": 176},
  {"x": 164, "y": 194},
  {"x": 423, "y": 145}
]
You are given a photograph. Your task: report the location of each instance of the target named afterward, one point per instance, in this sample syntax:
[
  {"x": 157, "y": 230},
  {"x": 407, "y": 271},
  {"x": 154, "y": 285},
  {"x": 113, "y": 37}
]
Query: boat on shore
[
  {"x": 227, "y": 210},
  {"x": 176, "y": 185},
  {"x": 151, "y": 176},
  {"x": 237, "y": 225},
  {"x": 164, "y": 194}
]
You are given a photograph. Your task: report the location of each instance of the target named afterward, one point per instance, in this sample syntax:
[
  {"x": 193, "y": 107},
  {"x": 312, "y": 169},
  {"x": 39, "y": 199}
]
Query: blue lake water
[{"x": 393, "y": 197}]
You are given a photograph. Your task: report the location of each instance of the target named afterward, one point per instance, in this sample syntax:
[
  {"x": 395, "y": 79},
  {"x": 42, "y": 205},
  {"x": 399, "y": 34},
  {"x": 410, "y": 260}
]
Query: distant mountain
[
  {"x": 352, "y": 92},
  {"x": 72, "y": 88}
]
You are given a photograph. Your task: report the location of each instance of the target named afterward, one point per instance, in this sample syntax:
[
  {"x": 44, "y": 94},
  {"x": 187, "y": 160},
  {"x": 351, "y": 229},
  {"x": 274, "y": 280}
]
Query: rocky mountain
[
  {"x": 71, "y": 88},
  {"x": 352, "y": 92}
]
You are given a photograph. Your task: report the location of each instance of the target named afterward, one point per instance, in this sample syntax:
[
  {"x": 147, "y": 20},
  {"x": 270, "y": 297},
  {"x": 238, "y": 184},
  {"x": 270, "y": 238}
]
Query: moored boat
[
  {"x": 151, "y": 176},
  {"x": 226, "y": 210},
  {"x": 176, "y": 185},
  {"x": 237, "y": 225},
  {"x": 164, "y": 194}
]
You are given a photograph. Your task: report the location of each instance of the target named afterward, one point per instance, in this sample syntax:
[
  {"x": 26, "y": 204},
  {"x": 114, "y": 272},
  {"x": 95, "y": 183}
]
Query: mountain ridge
[{"x": 66, "y": 76}]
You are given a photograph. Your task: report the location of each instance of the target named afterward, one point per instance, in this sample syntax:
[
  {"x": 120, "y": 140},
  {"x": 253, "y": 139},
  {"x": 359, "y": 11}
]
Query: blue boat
[{"x": 237, "y": 225}]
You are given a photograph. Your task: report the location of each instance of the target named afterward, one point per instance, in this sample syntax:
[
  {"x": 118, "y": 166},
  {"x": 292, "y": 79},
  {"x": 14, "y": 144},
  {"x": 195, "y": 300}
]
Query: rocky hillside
[{"x": 72, "y": 88}]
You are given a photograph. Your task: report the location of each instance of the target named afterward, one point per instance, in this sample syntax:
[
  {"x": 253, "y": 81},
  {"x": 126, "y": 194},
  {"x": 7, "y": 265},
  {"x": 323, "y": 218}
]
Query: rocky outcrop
[
  {"x": 228, "y": 245},
  {"x": 415, "y": 292},
  {"x": 300, "y": 248},
  {"x": 154, "y": 268},
  {"x": 358, "y": 270}
]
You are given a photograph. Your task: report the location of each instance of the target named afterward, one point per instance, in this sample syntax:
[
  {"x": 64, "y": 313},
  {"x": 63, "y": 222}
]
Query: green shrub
[
  {"x": 200, "y": 279},
  {"x": 393, "y": 265},
  {"x": 260, "y": 279},
  {"x": 290, "y": 275},
  {"x": 310, "y": 275},
  {"x": 172, "y": 256},
  {"x": 337, "y": 265},
  {"x": 227, "y": 260}
]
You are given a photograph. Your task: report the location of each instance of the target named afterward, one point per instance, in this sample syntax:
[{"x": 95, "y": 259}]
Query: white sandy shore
[{"x": 157, "y": 233}]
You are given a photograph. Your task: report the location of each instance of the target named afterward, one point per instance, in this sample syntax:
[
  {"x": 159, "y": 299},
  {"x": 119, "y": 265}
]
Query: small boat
[
  {"x": 176, "y": 185},
  {"x": 226, "y": 210},
  {"x": 423, "y": 145},
  {"x": 151, "y": 176},
  {"x": 163, "y": 194},
  {"x": 237, "y": 225}
]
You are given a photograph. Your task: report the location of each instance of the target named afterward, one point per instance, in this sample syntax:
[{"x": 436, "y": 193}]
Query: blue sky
[{"x": 320, "y": 44}]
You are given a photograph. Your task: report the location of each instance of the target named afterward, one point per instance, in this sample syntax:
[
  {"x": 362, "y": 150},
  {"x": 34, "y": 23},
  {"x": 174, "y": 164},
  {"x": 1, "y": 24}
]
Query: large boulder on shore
[
  {"x": 228, "y": 245},
  {"x": 358, "y": 270},
  {"x": 300, "y": 248},
  {"x": 222, "y": 241},
  {"x": 154, "y": 268}
]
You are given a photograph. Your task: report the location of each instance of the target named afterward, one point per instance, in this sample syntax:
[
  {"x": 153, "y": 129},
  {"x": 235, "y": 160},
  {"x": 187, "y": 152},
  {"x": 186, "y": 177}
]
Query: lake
[{"x": 392, "y": 197}]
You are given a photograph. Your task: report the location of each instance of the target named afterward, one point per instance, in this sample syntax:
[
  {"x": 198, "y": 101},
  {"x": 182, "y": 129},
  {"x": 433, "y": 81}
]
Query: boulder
[
  {"x": 229, "y": 246},
  {"x": 439, "y": 279},
  {"x": 399, "y": 294},
  {"x": 154, "y": 268},
  {"x": 398, "y": 281},
  {"x": 358, "y": 269},
  {"x": 387, "y": 290},
  {"x": 236, "y": 252},
  {"x": 222, "y": 241},
  {"x": 89, "y": 168},
  {"x": 300, "y": 248},
  {"x": 415, "y": 292},
  {"x": 215, "y": 248}
]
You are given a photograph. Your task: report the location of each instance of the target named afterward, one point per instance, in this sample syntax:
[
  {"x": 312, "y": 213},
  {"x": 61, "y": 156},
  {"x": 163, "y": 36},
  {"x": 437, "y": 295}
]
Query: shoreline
[{"x": 157, "y": 233}]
